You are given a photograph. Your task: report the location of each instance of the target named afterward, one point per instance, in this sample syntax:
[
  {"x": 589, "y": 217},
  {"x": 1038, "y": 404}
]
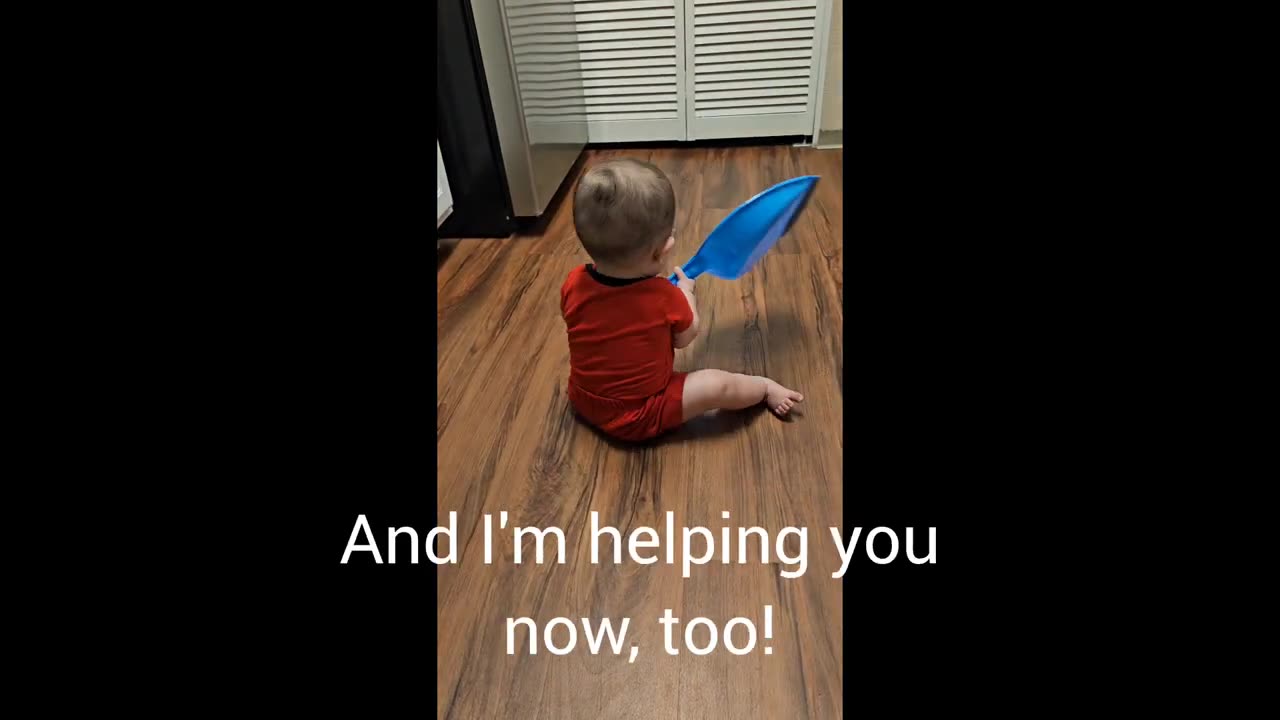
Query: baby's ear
[{"x": 666, "y": 247}]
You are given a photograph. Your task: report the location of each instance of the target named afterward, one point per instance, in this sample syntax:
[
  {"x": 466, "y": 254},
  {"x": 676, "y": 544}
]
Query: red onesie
[{"x": 621, "y": 348}]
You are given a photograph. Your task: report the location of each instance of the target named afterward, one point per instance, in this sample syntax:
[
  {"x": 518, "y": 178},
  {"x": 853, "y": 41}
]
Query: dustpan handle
[{"x": 692, "y": 270}]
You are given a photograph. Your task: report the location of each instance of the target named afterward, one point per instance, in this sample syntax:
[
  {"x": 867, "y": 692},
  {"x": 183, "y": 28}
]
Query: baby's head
[{"x": 624, "y": 212}]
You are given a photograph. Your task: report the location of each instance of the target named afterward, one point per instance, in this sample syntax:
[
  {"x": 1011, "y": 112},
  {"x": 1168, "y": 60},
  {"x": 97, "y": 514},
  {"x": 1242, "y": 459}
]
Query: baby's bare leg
[{"x": 707, "y": 390}]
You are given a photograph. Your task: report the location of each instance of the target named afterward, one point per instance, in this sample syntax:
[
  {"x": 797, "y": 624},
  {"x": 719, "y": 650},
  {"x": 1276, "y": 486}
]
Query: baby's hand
[{"x": 683, "y": 282}]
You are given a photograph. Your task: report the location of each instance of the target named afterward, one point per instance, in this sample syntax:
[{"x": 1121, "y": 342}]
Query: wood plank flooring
[{"x": 508, "y": 440}]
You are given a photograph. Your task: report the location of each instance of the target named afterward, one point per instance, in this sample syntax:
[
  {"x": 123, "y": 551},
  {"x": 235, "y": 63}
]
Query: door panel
[
  {"x": 752, "y": 67},
  {"x": 613, "y": 67}
]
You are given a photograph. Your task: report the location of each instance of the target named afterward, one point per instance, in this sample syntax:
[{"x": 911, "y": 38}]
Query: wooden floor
[{"x": 508, "y": 440}]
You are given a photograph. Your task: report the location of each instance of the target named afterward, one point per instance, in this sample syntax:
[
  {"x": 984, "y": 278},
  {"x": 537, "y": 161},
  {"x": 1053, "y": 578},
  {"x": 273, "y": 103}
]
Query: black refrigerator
[{"x": 504, "y": 157}]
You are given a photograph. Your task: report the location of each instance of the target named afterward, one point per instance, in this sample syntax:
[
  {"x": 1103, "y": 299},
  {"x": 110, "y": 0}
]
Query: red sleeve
[
  {"x": 680, "y": 315},
  {"x": 567, "y": 286}
]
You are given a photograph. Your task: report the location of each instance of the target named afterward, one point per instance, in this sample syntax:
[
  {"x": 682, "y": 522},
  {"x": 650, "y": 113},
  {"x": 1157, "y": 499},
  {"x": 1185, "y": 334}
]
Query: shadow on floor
[
  {"x": 745, "y": 344},
  {"x": 444, "y": 248},
  {"x": 714, "y": 424}
]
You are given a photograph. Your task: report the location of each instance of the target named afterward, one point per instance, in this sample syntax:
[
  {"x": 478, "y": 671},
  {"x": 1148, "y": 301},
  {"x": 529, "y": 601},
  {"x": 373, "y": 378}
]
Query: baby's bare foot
[{"x": 780, "y": 400}]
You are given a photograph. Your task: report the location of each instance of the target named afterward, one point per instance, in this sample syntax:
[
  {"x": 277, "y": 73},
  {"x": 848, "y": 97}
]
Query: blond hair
[{"x": 623, "y": 208}]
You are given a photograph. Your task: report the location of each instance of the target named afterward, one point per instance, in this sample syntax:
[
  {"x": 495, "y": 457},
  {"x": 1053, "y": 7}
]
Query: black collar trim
[{"x": 611, "y": 281}]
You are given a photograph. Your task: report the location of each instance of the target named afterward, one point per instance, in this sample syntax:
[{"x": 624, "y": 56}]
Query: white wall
[
  {"x": 444, "y": 197},
  {"x": 833, "y": 88}
]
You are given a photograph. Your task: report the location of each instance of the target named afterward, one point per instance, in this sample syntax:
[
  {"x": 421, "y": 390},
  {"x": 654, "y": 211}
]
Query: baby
[{"x": 625, "y": 319}]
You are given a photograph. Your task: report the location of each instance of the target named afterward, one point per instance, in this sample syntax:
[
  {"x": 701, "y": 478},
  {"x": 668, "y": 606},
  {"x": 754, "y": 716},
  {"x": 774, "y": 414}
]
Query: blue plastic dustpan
[{"x": 743, "y": 237}]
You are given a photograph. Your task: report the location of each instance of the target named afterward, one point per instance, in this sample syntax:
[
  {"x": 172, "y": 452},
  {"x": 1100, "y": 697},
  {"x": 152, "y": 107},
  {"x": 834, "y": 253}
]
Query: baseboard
[{"x": 829, "y": 139}]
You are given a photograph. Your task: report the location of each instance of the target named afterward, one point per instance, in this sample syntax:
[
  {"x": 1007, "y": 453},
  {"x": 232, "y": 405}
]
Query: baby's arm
[{"x": 686, "y": 287}]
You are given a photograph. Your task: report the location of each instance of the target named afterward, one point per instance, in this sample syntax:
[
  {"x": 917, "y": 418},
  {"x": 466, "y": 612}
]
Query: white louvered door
[
  {"x": 752, "y": 67},
  {"x": 617, "y": 65},
  {"x": 641, "y": 70}
]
